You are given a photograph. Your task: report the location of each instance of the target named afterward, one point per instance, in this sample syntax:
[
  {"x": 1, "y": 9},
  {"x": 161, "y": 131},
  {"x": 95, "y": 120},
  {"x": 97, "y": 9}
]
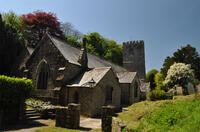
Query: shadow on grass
[
  {"x": 84, "y": 129},
  {"x": 23, "y": 125}
]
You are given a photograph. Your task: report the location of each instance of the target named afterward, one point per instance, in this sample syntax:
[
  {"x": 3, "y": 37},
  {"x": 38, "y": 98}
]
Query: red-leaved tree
[{"x": 36, "y": 23}]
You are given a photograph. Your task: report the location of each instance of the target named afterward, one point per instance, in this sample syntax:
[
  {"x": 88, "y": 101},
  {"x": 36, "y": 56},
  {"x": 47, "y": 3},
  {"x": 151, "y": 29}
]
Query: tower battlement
[
  {"x": 134, "y": 43},
  {"x": 134, "y": 57}
]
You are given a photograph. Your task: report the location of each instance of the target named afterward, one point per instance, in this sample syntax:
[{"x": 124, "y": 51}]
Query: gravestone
[
  {"x": 68, "y": 117},
  {"x": 107, "y": 113},
  {"x": 190, "y": 88},
  {"x": 179, "y": 90}
]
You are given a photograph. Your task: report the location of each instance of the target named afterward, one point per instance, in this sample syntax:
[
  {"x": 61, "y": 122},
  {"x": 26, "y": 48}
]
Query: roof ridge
[{"x": 87, "y": 52}]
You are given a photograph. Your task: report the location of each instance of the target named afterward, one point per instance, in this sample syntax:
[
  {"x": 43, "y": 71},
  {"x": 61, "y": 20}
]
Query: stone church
[{"x": 64, "y": 74}]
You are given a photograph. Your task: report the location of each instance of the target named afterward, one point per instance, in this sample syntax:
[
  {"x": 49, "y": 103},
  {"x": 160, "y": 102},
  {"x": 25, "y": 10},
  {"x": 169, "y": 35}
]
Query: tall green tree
[
  {"x": 104, "y": 48},
  {"x": 114, "y": 53},
  {"x": 150, "y": 78},
  {"x": 187, "y": 55},
  {"x": 15, "y": 21},
  {"x": 10, "y": 47},
  {"x": 98, "y": 42}
]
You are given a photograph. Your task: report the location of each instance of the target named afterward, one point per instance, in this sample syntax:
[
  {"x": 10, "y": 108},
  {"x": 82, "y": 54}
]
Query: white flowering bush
[{"x": 179, "y": 74}]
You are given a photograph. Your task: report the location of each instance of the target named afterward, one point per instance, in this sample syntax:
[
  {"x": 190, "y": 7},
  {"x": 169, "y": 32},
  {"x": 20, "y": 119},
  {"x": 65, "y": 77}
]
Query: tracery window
[{"x": 43, "y": 74}]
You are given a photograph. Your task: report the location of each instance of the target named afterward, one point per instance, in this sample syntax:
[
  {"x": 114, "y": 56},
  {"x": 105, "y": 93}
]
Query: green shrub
[
  {"x": 159, "y": 79},
  {"x": 156, "y": 94},
  {"x": 14, "y": 90},
  {"x": 150, "y": 78}
]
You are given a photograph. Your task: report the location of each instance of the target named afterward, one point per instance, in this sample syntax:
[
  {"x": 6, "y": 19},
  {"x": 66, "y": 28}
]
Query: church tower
[{"x": 134, "y": 57}]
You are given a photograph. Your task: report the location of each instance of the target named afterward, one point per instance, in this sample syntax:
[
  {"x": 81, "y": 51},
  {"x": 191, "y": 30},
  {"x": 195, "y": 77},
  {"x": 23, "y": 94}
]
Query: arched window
[
  {"x": 76, "y": 98},
  {"x": 42, "y": 74},
  {"x": 136, "y": 90},
  {"x": 109, "y": 91}
]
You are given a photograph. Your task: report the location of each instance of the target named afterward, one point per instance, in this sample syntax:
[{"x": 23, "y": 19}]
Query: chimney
[{"x": 83, "y": 60}]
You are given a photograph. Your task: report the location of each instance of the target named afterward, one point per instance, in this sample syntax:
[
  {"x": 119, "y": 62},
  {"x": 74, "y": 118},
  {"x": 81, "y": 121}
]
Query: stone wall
[
  {"x": 92, "y": 99},
  {"x": 125, "y": 93},
  {"x": 117, "y": 125},
  {"x": 85, "y": 98},
  {"x": 68, "y": 117},
  {"x": 106, "y": 117},
  {"x": 128, "y": 92},
  {"x": 99, "y": 97},
  {"x": 55, "y": 60},
  {"x": 134, "y": 57}
]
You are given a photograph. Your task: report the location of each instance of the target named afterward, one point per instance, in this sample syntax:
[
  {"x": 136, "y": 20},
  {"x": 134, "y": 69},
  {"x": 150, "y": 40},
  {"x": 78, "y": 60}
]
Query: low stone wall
[
  {"x": 68, "y": 117},
  {"x": 107, "y": 113},
  {"x": 117, "y": 125}
]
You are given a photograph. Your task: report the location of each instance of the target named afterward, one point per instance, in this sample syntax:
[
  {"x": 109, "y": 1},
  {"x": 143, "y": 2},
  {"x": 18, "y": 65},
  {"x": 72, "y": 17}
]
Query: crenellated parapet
[{"x": 134, "y": 57}]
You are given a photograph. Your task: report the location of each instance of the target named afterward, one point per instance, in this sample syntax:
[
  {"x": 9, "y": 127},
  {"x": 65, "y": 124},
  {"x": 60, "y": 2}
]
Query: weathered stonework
[
  {"x": 93, "y": 98},
  {"x": 106, "y": 117},
  {"x": 117, "y": 125},
  {"x": 68, "y": 117},
  {"x": 55, "y": 60},
  {"x": 62, "y": 75},
  {"x": 134, "y": 57}
]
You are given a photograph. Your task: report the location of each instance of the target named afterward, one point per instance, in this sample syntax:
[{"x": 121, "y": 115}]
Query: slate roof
[
  {"x": 126, "y": 77},
  {"x": 90, "y": 78},
  {"x": 71, "y": 54}
]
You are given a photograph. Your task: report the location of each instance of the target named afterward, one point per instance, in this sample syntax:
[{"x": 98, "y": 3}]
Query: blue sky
[{"x": 164, "y": 25}]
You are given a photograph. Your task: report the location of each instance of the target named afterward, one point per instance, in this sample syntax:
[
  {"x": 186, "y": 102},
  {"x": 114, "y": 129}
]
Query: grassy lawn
[
  {"x": 58, "y": 129},
  {"x": 180, "y": 114}
]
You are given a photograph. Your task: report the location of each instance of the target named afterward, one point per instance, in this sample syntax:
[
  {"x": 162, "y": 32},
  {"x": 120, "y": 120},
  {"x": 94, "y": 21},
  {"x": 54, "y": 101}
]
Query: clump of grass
[
  {"x": 139, "y": 113},
  {"x": 182, "y": 117}
]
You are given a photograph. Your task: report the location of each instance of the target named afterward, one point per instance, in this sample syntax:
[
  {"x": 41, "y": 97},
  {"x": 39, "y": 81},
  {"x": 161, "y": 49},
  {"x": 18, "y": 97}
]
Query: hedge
[{"x": 14, "y": 90}]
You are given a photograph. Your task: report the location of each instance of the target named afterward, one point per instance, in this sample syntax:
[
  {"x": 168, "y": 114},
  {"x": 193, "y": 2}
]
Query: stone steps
[{"x": 32, "y": 115}]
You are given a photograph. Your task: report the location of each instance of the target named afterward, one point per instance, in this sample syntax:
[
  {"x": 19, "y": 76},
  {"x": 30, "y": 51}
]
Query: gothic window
[
  {"x": 109, "y": 91},
  {"x": 43, "y": 74},
  {"x": 136, "y": 90}
]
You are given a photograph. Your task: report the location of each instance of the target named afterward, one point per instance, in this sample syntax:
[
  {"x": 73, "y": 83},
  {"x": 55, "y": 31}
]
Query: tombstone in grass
[
  {"x": 179, "y": 90},
  {"x": 190, "y": 88}
]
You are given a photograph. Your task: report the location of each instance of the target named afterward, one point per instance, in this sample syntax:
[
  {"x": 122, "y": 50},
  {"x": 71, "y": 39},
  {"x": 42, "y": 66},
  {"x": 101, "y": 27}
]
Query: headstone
[
  {"x": 179, "y": 90},
  {"x": 68, "y": 117},
  {"x": 117, "y": 125},
  {"x": 107, "y": 113},
  {"x": 190, "y": 88}
]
